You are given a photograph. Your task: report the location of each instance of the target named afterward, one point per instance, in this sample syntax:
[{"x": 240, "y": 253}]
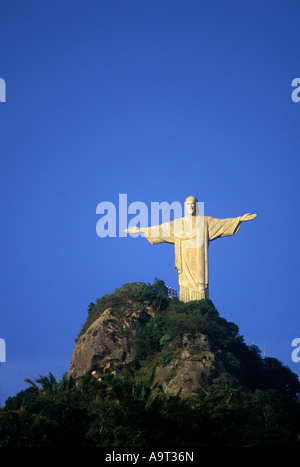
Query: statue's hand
[
  {"x": 248, "y": 217},
  {"x": 134, "y": 230}
]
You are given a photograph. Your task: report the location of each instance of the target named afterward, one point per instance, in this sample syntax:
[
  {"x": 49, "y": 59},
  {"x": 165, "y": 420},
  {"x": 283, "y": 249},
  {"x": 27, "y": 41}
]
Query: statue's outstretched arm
[{"x": 156, "y": 234}]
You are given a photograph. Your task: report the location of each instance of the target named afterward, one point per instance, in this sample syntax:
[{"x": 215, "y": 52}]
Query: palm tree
[{"x": 46, "y": 385}]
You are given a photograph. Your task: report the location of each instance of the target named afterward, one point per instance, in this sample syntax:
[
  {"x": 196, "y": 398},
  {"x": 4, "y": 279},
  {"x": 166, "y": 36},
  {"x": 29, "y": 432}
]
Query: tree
[{"x": 48, "y": 385}]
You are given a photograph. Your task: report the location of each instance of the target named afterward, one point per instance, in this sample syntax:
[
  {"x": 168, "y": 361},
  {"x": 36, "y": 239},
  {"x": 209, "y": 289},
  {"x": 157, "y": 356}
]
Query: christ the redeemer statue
[{"x": 191, "y": 236}]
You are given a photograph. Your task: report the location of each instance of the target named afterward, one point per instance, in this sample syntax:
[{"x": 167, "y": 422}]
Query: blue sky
[{"x": 158, "y": 100}]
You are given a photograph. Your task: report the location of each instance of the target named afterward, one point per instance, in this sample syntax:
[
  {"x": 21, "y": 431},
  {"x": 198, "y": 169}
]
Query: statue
[{"x": 191, "y": 236}]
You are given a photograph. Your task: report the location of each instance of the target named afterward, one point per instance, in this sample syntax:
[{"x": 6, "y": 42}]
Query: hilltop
[
  {"x": 149, "y": 370},
  {"x": 182, "y": 347}
]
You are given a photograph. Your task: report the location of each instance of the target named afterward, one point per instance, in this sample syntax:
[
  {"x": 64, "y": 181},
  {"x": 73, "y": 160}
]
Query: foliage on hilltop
[
  {"x": 254, "y": 404},
  {"x": 121, "y": 298}
]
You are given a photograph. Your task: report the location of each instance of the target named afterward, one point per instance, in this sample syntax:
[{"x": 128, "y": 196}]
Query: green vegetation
[
  {"x": 119, "y": 300},
  {"x": 255, "y": 404},
  {"x": 122, "y": 412}
]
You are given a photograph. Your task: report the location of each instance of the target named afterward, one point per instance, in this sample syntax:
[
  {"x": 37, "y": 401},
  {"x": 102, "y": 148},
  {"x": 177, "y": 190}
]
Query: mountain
[{"x": 150, "y": 371}]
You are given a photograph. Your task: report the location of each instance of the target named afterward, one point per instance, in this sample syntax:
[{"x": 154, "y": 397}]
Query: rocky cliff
[{"x": 107, "y": 344}]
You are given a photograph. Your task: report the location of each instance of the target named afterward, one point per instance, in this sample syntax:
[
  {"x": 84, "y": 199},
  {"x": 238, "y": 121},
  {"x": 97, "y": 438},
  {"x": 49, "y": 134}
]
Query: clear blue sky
[{"x": 159, "y": 100}]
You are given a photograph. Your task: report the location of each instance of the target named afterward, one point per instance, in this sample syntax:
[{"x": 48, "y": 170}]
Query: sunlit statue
[{"x": 191, "y": 235}]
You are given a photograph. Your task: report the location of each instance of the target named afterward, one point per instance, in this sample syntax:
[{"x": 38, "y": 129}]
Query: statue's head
[{"x": 190, "y": 206}]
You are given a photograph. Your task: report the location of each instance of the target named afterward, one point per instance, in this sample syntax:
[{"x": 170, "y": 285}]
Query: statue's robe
[{"x": 191, "y": 250}]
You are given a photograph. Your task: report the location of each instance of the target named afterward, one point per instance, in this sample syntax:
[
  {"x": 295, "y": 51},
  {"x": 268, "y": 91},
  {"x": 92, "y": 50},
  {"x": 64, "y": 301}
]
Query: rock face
[
  {"x": 107, "y": 343},
  {"x": 194, "y": 368}
]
